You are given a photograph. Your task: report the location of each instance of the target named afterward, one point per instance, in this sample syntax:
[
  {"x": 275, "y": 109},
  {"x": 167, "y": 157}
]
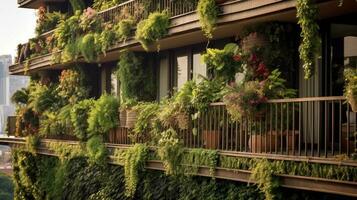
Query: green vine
[
  {"x": 170, "y": 150},
  {"x": 97, "y": 151},
  {"x": 32, "y": 142},
  {"x": 263, "y": 173},
  {"x": 208, "y": 13},
  {"x": 135, "y": 159},
  {"x": 307, "y": 14}
]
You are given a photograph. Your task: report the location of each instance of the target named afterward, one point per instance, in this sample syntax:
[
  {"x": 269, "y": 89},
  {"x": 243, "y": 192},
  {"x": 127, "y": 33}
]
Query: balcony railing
[
  {"x": 133, "y": 8},
  {"x": 308, "y": 127}
]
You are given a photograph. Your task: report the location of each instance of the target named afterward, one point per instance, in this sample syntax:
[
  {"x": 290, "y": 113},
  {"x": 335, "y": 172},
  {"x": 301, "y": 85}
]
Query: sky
[{"x": 17, "y": 25}]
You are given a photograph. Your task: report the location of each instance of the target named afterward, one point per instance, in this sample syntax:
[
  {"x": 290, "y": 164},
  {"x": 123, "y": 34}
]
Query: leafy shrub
[
  {"x": 224, "y": 63},
  {"x": 88, "y": 47},
  {"x": 79, "y": 118},
  {"x": 208, "y": 12},
  {"x": 106, "y": 38},
  {"x": 207, "y": 92},
  {"x": 175, "y": 112},
  {"x": 136, "y": 80},
  {"x": 47, "y": 21},
  {"x": 104, "y": 115},
  {"x": 123, "y": 29},
  {"x": 43, "y": 98},
  {"x": 20, "y": 97},
  {"x": 105, "y": 4},
  {"x": 147, "y": 113},
  {"x": 152, "y": 29},
  {"x": 71, "y": 86}
]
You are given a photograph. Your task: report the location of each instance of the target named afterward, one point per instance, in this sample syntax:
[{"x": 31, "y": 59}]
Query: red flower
[
  {"x": 253, "y": 58},
  {"x": 237, "y": 58},
  {"x": 262, "y": 70}
]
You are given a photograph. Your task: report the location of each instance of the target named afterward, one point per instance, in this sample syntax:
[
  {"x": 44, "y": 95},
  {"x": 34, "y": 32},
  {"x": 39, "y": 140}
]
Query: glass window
[
  {"x": 164, "y": 78},
  {"x": 114, "y": 84},
  {"x": 199, "y": 67},
  {"x": 182, "y": 71}
]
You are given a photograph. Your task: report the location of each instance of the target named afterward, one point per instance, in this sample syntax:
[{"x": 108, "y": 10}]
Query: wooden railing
[
  {"x": 309, "y": 127},
  {"x": 133, "y": 8},
  {"x": 139, "y": 9}
]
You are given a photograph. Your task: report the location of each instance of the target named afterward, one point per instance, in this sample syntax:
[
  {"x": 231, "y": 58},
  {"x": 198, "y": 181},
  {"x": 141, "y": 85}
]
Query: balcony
[
  {"x": 312, "y": 131},
  {"x": 184, "y": 24}
]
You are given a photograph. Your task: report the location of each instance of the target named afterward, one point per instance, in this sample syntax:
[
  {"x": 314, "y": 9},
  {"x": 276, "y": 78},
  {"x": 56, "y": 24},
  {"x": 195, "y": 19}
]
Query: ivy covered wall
[{"x": 44, "y": 177}]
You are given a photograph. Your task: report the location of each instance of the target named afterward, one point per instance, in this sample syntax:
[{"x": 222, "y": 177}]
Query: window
[
  {"x": 164, "y": 78},
  {"x": 182, "y": 70},
  {"x": 199, "y": 68}
]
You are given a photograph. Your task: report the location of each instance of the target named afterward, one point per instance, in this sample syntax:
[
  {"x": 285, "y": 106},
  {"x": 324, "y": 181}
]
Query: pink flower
[{"x": 90, "y": 12}]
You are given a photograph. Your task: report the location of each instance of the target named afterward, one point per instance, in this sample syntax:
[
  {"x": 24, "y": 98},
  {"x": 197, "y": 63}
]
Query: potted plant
[
  {"x": 175, "y": 112},
  {"x": 205, "y": 93},
  {"x": 350, "y": 91}
]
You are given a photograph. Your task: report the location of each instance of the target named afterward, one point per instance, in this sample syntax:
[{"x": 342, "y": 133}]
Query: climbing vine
[{"x": 307, "y": 14}]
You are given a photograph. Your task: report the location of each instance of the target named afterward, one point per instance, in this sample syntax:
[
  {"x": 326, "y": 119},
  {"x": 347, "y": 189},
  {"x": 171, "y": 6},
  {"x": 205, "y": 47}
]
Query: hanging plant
[
  {"x": 208, "y": 13},
  {"x": 152, "y": 29},
  {"x": 123, "y": 29},
  {"x": 104, "y": 115},
  {"x": 307, "y": 14},
  {"x": 88, "y": 47}
]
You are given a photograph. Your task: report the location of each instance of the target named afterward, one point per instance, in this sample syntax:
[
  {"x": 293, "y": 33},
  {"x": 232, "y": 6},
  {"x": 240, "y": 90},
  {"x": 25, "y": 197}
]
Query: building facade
[{"x": 252, "y": 79}]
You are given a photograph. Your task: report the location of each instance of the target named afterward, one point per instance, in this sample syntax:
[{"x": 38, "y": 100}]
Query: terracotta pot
[
  {"x": 211, "y": 138},
  {"x": 353, "y": 104},
  {"x": 291, "y": 145},
  {"x": 131, "y": 117},
  {"x": 253, "y": 40},
  {"x": 122, "y": 118},
  {"x": 256, "y": 143}
]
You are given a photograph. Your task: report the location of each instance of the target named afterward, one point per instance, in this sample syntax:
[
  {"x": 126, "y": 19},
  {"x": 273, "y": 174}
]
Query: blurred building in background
[{"x": 8, "y": 85}]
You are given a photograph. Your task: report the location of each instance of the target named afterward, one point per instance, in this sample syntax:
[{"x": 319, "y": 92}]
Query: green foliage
[
  {"x": 207, "y": 92},
  {"x": 42, "y": 98},
  {"x": 71, "y": 87},
  {"x": 152, "y": 29},
  {"x": 88, "y": 47},
  {"x": 104, "y": 115},
  {"x": 79, "y": 118},
  {"x": 307, "y": 14},
  {"x": 194, "y": 158},
  {"x": 105, "y": 4},
  {"x": 222, "y": 63},
  {"x": 6, "y": 187},
  {"x": 32, "y": 142},
  {"x": 175, "y": 111},
  {"x": 170, "y": 150},
  {"x": 275, "y": 87},
  {"x": 350, "y": 90},
  {"x": 52, "y": 125},
  {"x": 135, "y": 159},
  {"x": 20, "y": 97},
  {"x": 123, "y": 29},
  {"x": 136, "y": 82},
  {"x": 65, "y": 151},
  {"x": 106, "y": 38},
  {"x": 147, "y": 113},
  {"x": 77, "y": 5},
  {"x": 245, "y": 100},
  {"x": 263, "y": 174},
  {"x": 96, "y": 150},
  {"x": 208, "y": 13},
  {"x": 47, "y": 21}
]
